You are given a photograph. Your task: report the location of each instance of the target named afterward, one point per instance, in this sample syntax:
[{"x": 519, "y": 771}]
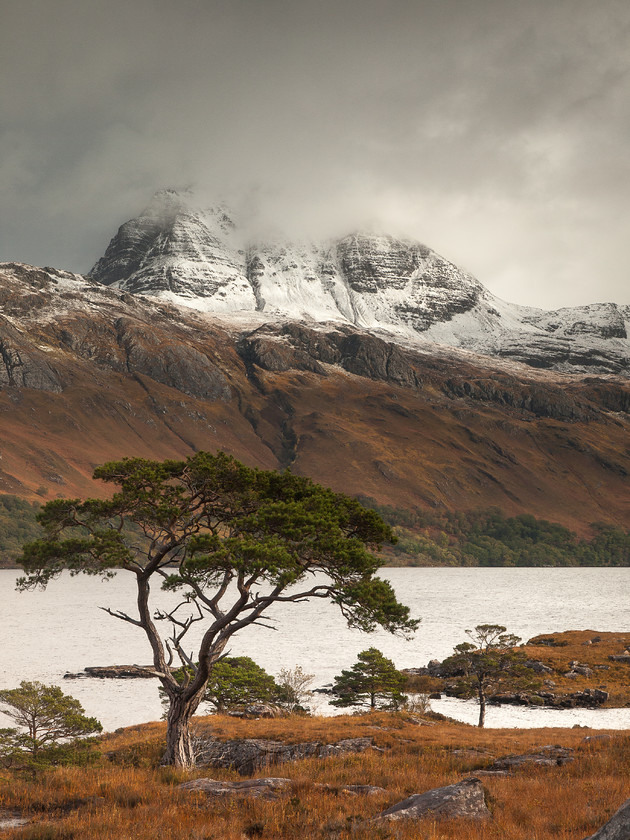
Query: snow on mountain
[{"x": 200, "y": 258}]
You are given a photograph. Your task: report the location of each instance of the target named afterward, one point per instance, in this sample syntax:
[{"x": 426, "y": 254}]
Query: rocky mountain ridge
[
  {"x": 89, "y": 373},
  {"x": 202, "y": 259}
]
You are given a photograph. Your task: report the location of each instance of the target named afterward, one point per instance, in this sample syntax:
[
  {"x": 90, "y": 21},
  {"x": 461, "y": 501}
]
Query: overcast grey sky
[{"x": 495, "y": 131}]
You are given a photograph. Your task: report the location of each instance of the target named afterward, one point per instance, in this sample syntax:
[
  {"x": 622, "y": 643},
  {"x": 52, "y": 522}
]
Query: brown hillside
[{"x": 89, "y": 374}]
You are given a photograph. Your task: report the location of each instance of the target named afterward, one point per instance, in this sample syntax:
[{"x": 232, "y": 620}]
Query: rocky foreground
[{"x": 379, "y": 775}]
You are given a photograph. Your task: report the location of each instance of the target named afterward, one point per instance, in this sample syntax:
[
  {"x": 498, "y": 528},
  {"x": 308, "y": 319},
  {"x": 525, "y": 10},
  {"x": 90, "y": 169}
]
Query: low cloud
[{"x": 494, "y": 131}]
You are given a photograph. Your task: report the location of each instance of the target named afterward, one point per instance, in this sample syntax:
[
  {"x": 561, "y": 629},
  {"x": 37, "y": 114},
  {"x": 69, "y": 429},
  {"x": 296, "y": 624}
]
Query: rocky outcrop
[
  {"x": 269, "y": 788},
  {"x": 114, "y": 672},
  {"x": 465, "y": 799},
  {"x": 548, "y": 756},
  {"x": 175, "y": 364},
  {"x": 248, "y": 755}
]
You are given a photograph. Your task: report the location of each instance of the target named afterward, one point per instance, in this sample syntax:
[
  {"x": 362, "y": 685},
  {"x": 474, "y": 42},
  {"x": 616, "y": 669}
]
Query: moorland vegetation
[{"x": 124, "y": 792}]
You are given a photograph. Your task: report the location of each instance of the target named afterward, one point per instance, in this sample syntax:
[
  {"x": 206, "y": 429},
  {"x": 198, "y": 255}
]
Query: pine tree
[{"x": 372, "y": 681}]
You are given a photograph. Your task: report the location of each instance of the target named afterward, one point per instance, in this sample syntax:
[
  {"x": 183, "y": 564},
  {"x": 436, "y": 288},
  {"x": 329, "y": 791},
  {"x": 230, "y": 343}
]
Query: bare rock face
[
  {"x": 175, "y": 251},
  {"x": 464, "y": 799},
  {"x": 617, "y": 827}
]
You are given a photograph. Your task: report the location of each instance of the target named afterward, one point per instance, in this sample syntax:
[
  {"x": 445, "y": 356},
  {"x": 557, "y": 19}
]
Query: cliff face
[
  {"x": 202, "y": 259},
  {"x": 90, "y": 373}
]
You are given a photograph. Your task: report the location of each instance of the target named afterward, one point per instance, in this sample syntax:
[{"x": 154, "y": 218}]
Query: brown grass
[
  {"x": 125, "y": 794},
  {"x": 613, "y": 677}
]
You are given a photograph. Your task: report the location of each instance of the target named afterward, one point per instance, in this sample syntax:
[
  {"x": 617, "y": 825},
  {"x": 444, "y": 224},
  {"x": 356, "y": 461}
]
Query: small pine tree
[
  {"x": 372, "y": 681},
  {"x": 238, "y": 681},
  {"x": 46, "y": 717}
]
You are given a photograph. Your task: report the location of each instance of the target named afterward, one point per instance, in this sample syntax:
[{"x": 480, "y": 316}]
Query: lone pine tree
[
  {"x": 487, "y": 663},
  {"x": 372, "y": 681},
  {"x": 232, "y": 542}
]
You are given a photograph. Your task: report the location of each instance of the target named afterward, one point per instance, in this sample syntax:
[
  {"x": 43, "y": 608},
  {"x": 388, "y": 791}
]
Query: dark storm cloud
[{"x": 495, "y": 131}]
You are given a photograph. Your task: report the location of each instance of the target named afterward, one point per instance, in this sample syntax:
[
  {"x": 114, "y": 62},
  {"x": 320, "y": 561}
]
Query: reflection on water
[{"x": 61, "y": 629}]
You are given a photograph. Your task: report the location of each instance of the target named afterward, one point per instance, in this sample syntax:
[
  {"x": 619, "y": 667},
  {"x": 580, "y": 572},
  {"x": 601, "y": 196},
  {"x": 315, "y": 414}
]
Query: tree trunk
[
  {"x": 179, "y": 748},
  {"x": 482, "y": 707}
]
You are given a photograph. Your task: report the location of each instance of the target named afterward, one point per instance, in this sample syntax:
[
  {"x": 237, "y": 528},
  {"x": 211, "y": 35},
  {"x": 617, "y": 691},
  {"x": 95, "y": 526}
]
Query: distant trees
[
  {"x": 372, "y": 681},
  {"x": 488, "y": 662},
  {"x": 18, "y": 523},
  {"x": 231, "y": 542},
  {"x": 45, "y": 718},
  {"x": 490, "y": 538}
]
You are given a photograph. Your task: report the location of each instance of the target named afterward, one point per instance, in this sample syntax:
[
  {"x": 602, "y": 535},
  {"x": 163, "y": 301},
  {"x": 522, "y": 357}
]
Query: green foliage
[
  {"x": 18, "y": 523},
  {"x": 372, "y": 681},
  {"x": 489, "y": 663},
  {"x": 489, "y": 538},
  {"x": 238, "y": 681},
  {"x": 47, "y": 719}
]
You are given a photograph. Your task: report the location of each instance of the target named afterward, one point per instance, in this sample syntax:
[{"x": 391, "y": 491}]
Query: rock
[
  {"x": 548, "y": 756},
  {"x": 269, "y": 788},
  {"x": 248, "y": 755},
  {"x": 538, "y": 666},
  {"x": 434, "y": 667},
  {"x": 603, "y": 736},
  {"x": 12, "y": 819},
  {"x": 464, "y": 799},
  {"x": 590, "y": 697},
  {"x": 620, "y": 657},
  {"x": 115, "y": 672},
  {"x": 351, "y": 790},
  {"x": 258, "y": 710},
  {"x": 617, "y": 827}
]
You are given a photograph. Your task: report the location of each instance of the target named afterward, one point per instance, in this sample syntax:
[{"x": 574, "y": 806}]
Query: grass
[{"x": 125, "y": 794}]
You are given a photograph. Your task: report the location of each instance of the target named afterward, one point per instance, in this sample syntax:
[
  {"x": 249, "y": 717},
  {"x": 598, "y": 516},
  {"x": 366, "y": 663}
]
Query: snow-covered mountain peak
[{"x": 201, "y": 257}]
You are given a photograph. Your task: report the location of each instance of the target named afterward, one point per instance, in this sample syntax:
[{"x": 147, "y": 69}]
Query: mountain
[
  {"x": 395, "y": 288},
  {"x": 90, "y": 372}
]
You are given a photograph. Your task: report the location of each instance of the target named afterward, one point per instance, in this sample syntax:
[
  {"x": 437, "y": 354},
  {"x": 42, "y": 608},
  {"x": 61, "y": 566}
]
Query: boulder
[
  {"x": 538, "y": 666},
  {"x": 248, "y": 755},
  {"x": 464, "y": 799},
  {"x": 269, "y": 788},
  {"x": 548, "y": 756},
  {"x": 617, "y": 827}
]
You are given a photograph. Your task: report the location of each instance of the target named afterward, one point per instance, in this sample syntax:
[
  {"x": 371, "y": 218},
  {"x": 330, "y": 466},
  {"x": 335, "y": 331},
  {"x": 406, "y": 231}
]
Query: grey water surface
[{"x": 48, "y": 633}]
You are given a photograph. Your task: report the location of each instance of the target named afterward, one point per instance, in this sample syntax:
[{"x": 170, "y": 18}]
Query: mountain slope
[
  {"x": 91, "y": 373},
  {"x": 201, "y": 259}
]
